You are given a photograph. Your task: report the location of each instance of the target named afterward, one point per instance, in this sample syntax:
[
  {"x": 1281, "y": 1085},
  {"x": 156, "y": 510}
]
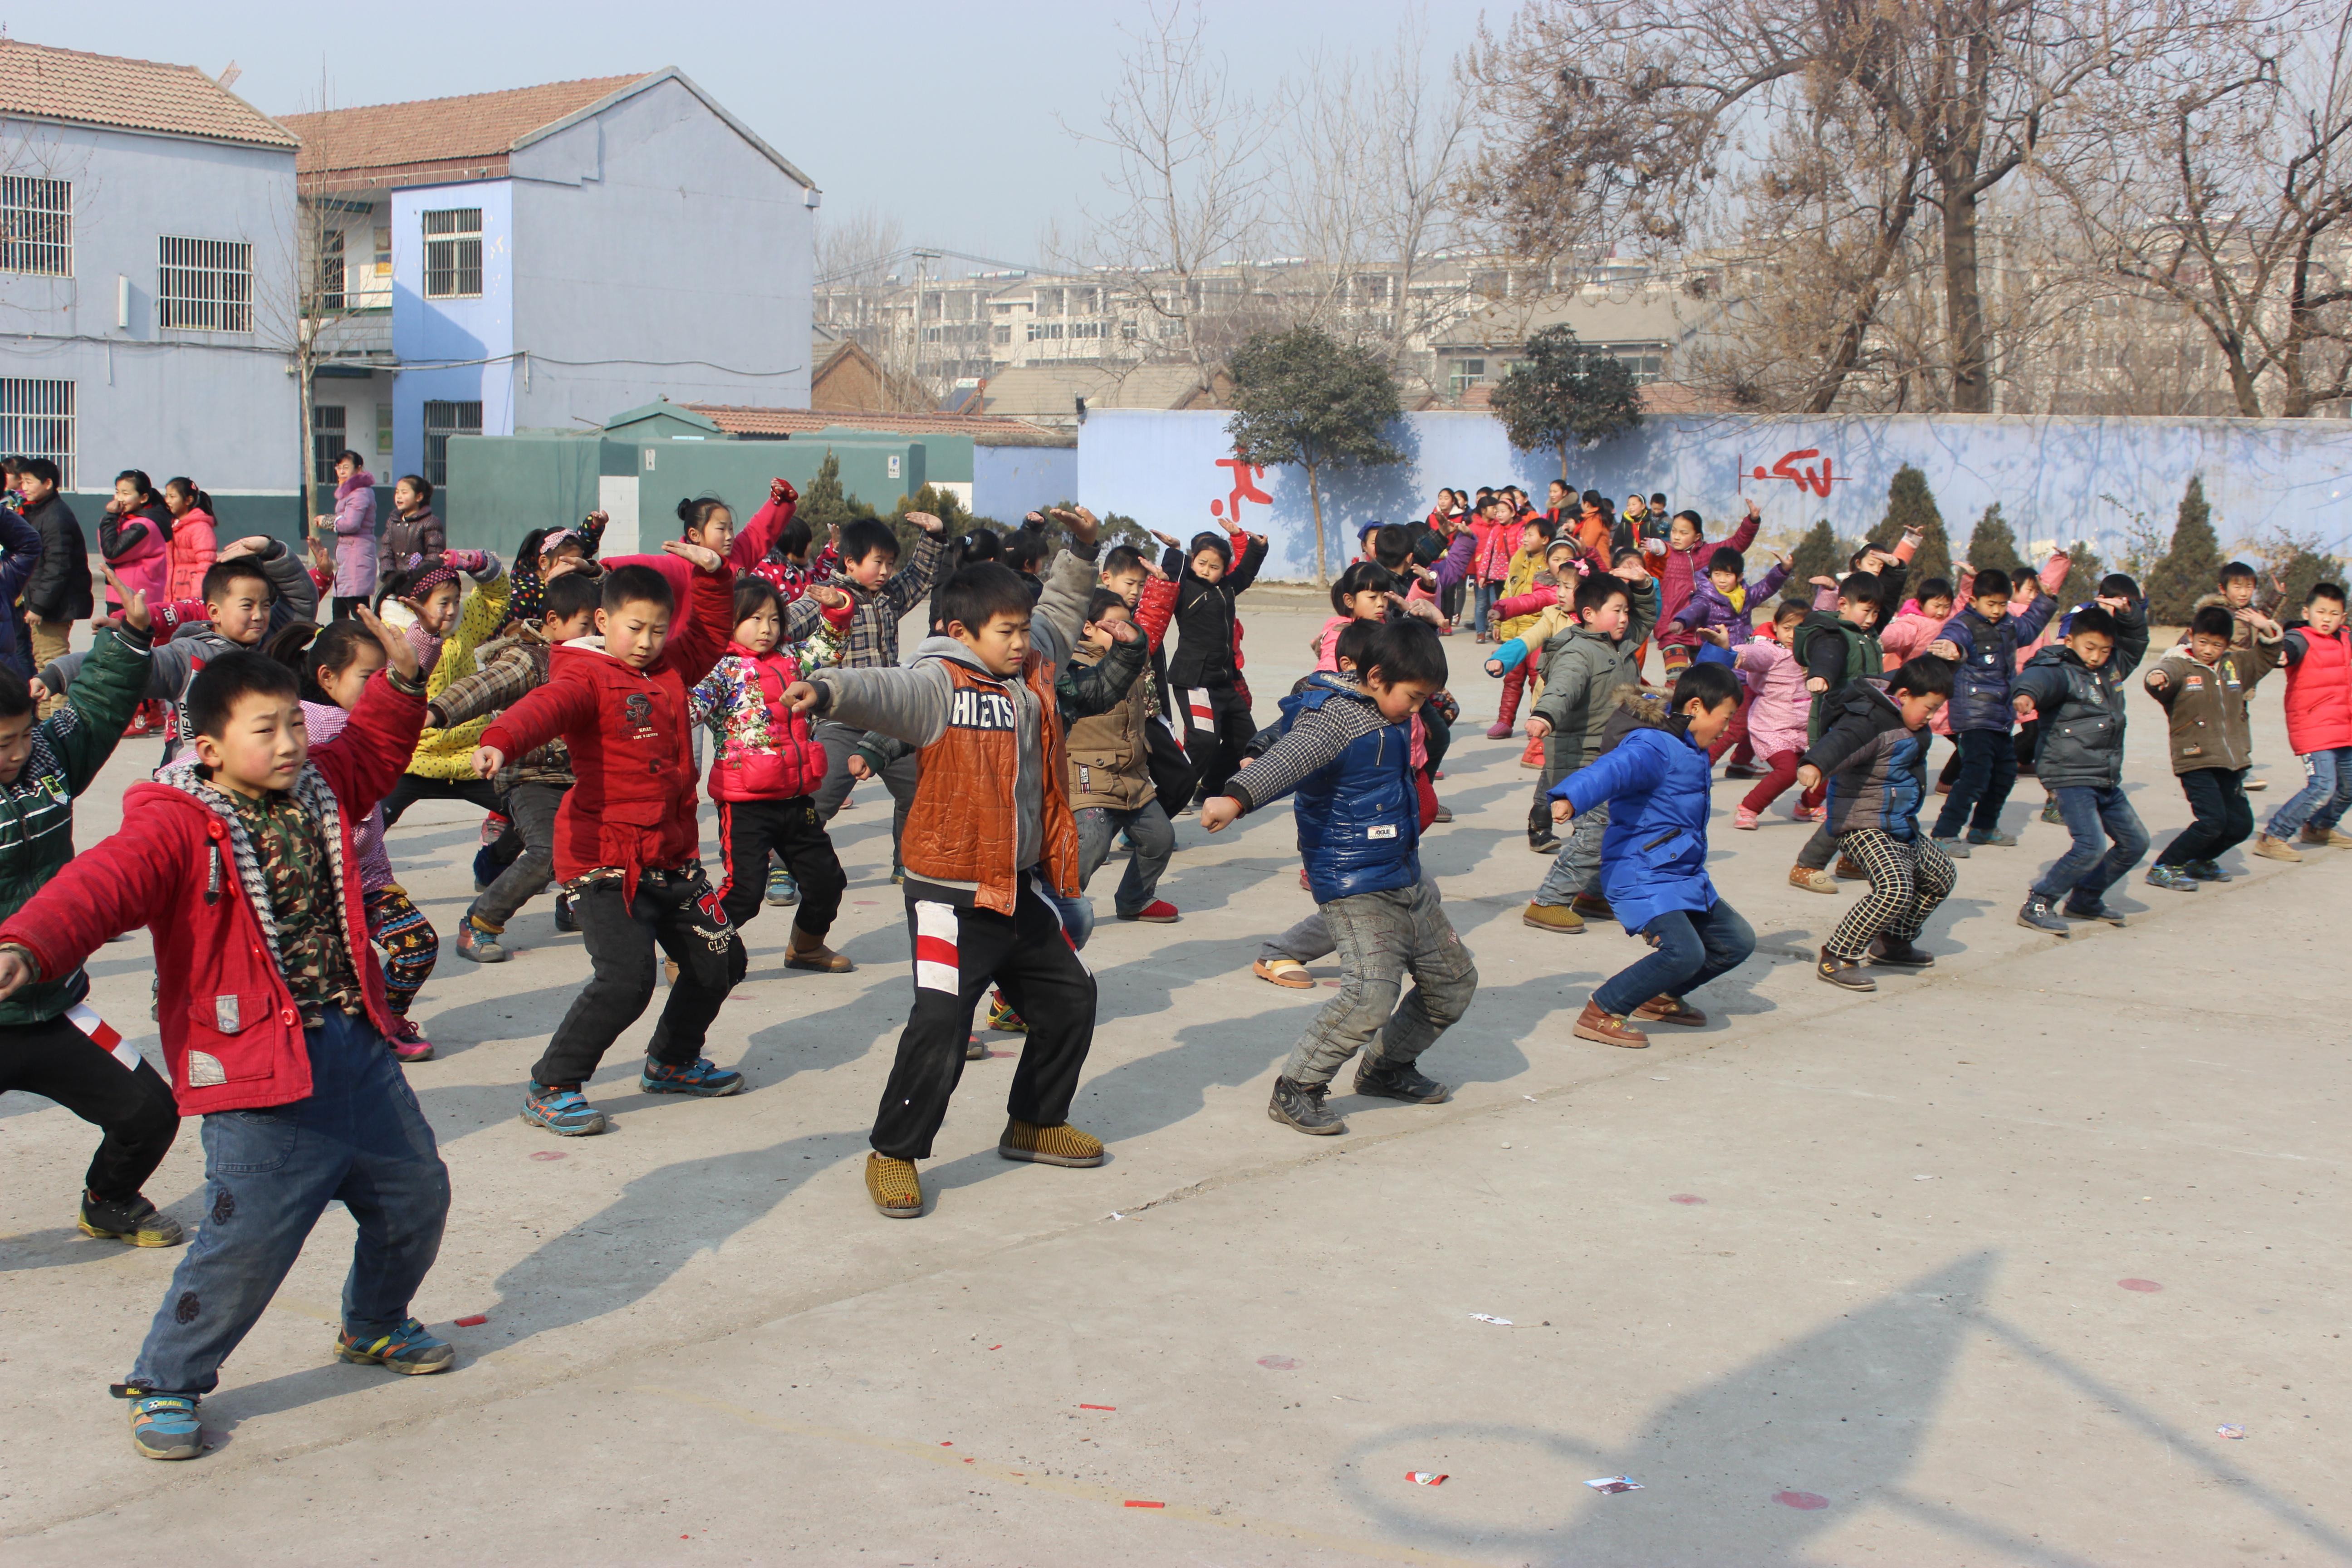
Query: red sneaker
[
  {"x": 493, "y": 824},
  {"x": 408, "y": 1045},
  {"x": 1159, "y": 911}
]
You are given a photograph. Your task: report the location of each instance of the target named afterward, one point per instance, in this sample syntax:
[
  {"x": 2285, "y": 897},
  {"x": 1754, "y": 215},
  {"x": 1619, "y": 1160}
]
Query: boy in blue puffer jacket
[
  {"x": 1654, "y": 773},
  {"x": 1348, "y": 756},
  {"x": 1984, "y": 639}
]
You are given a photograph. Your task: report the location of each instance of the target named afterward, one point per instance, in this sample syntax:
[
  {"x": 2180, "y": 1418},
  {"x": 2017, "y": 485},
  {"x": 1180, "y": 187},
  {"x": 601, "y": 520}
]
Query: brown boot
[
  {"x": 2329, "y": 836},
  {"x": 1592, "y": 906},
  {"x": 2271, "y": 848},
  {"x": 806, "y": 951},
  {"x": 1848, "y": 871},
  {"x": 896, "y": 1191},
  {"x": 1608, "y": 1029},
  {"x": 1665, "y": 1009},
  {"x": 1553, "y": 917},
  {"x": 1810, "y": 881}
]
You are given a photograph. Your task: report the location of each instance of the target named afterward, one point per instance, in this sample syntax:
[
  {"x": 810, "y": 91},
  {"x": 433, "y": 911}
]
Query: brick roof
[
  {"x": 43, "y": 83},
  {"x": 431, "y": 139},
  {"x": 983, "y": 430}
]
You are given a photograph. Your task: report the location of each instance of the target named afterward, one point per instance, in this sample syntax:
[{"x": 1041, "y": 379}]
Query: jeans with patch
[
  {"x": 2098, "y": 817},
  {"x": 358, "y": 1140},
  {"x": 1381, "y": 939},
  {"x": 2322, "y": 800}
]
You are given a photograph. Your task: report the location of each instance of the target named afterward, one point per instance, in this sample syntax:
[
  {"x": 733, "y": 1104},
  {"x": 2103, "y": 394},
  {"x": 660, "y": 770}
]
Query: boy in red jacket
[
  {"x": 627, "y": 847},
  {"x": 239, "y": 858}
]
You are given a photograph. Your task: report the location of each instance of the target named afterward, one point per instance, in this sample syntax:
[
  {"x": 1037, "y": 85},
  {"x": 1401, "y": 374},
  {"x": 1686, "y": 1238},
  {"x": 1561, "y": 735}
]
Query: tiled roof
[
  {"x": 43, "y": 83},
  {"x": 986, "y": 431},
  {"x": 450, "y": 138},
  {"x": 1050, "y": 391}
]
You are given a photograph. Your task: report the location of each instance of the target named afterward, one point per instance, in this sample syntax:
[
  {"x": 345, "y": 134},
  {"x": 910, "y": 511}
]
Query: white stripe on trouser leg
[
  {"x": 1038, "y": 881},
  {"x": 103, "y": 1035},
  {"x": 937, "y": 967}
]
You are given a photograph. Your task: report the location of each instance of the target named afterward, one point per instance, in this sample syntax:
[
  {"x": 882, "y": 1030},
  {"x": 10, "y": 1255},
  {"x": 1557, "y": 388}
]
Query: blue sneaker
[
  {"x": 2207, "y": 872},
  {"x": 560, "y": 1110},
  {"x": 479, "y": 942},
  {"x": 407, "y": 1349},
  {"x": 781, "y": 888},
  {"x": 701, "y": 1076},
  {"x": 2174, "y": 878},
  {"x": 162, "y": 1426}
]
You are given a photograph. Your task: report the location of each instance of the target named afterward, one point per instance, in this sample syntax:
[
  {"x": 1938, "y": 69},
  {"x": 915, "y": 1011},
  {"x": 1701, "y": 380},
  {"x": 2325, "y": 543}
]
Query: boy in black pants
[{"x": 1207, "y": 668}]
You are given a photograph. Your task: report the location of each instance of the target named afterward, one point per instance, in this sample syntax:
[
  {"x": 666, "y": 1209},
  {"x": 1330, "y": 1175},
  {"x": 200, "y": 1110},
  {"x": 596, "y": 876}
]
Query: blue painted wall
[
  {"x": 2064, "y": 479},
  {"x": 1007, "y": 481},
  {"x": 427, "y": 333}
]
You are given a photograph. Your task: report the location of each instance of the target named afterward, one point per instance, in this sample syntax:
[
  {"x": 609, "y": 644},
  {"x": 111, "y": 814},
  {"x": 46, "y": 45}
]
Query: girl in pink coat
[
  {"x": 194, "y": 546},
  {"x": 1776, "y": 717}
]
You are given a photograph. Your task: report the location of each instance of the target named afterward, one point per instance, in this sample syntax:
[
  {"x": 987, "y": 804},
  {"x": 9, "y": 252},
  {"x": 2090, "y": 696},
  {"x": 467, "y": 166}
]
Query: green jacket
[
  {"x": 2205, "y": 704},
  {"x": 69, "y": 747},
  {"x": 1858, "y": 657},
  {"x": 1581, "y": 673}
]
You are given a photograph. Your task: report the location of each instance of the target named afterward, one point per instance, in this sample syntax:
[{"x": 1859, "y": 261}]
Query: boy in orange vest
[{"x": 989, "y": 836}]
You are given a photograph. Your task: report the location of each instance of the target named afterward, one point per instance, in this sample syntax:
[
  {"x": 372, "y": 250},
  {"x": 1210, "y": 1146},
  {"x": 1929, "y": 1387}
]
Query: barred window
[
  {"x": 453, "y": 255},
  {"x": 35, "y": 226},
  {"x": 443, "y": 420},
  {"x": 206, "y": 285},
  {"x": 36, "y": 420},
  {"x": 329, "y": 425},
  {"x": 330, "y": 269}
]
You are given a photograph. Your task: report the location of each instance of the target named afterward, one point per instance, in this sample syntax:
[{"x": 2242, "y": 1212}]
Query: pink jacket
[
  {"x": 1679, "y": 569},
  {"x": 1777, "y": 717},
  {"x": 355, "y": 537},
  {"x": 194, "y": 548}
]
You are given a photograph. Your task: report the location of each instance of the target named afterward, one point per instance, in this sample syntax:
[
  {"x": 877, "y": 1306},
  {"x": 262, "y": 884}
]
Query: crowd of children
[{"x": 1041, "y": 725}]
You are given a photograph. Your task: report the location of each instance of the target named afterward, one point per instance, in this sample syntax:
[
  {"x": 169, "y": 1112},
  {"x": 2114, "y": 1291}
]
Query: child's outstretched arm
[
  {"x": 2131, "y": 636},
  {"x": 906, "y": 703},
  {"x": 711, "y": 588},
  {"x": 1612, "y": 774},
  {"x": 497, "y": 686},
  {"x": 558, "y": 709},
  {"x": 364, "y": 761},
  {"x": 111, "y": 684},
  {"x": 767, "y": 525},
  {"x": 913, "y": 579},
  {"x": 1314, "y": 743},
  {"x": 1083, "y": 690},
  {"x": 116, "y": 885}
]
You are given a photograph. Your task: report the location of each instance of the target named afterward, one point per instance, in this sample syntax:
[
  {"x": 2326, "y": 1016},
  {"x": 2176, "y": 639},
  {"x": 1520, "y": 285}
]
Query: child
[
  {"x": 2319, "y": 656},
  {"x": 1583, "y": 670},
  {"x": 879, "y": 597},
  {"x": 1207, "y": 668},
  {"x": 764, "y": 768},
  {"x": 413, "y": 531},
  {"x": 1534, "y": 534},
  {"x": 134, "y": 538},
  {"x": 52, "y": 1042},
  {"x": 1498, "y": 539},
  {"x": 1362, "y": 593},
  {"x": 195, "y": 544},
  {"x": 1676, "y": 568},
  {"x": 1654, "y": 773},
  {"x": 1777, "y": 713},
  {"x": 1111, "y": 773},
  {"x": 537, "y": 561},
  {"x": 2075, "y": 688},
  {"x": 626, "y": 844},
  {"x": 531, "y": 789},
  {"x": 1983, "y": 640},
  {"x": 2240, "y": 592},
  {"x": 1724, "y": 602},
  {"x": 991, "y": 828},
  {"x": 20, "y": 557},
  {"x": 332, "y": 665},
  {"x": 445, "y": 628},
  {"x": 2204, "y": 685},
  {"x": 1873, "y": 752},
  {"x": 1152, "y": 594},
  {"x": 1837, "y": 649},
  {"x": 239, "y": 859},
  {"x": 1347, "y": 756}
]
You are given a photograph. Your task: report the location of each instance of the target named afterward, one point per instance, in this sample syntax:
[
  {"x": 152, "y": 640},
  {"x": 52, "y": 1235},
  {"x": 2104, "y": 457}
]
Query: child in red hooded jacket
[
  {"x": 627, "y": 847},
  {"x": 764, "y": 770},
  {"x": 240, "y": 859}
]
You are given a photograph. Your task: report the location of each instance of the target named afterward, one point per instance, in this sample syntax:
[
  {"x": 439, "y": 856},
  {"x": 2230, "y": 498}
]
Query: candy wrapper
[
  {"x": 1614, "y": 1484},
  {"x": 1425, "y": 1478}
]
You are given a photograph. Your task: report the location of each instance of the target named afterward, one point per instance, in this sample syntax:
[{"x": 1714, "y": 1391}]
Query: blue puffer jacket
[
  {"x": 1359, "y": 819},
  {"x": 1654, "y": 855},
  {"x": 1981, "y": 686}
]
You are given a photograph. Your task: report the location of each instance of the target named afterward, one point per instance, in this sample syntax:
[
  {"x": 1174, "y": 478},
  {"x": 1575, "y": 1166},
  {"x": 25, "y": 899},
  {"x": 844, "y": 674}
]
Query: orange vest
[{"x": 963, "y": 826}]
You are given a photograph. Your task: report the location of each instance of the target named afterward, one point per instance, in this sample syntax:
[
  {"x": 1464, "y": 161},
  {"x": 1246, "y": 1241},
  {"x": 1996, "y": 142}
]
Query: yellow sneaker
[
  {"x": 1061, "y": 1144},
  {"x": 896, "y": 1189}
]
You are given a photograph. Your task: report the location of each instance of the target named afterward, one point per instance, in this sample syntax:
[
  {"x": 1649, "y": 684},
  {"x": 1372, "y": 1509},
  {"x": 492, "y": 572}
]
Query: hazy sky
[{"x": 943, "y": 114}]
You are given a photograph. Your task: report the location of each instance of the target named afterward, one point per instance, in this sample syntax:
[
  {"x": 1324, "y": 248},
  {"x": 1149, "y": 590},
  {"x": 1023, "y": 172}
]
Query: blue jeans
[
  {"x": 360, "y": 1139},
  {"x": 1692, "y": 950},
  {"x": 2325, "y": 794},
  {"x": 1988, "y": 773},
  {"x": 1489, "y": 592},
  {"x": 2098, "y": 817}
]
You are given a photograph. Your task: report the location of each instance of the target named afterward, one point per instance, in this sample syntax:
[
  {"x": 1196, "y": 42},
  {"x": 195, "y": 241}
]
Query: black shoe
[
  {"x": 1398, "y": 1080},
  {"x": 1844, "y": 973},
  {"x": 2099, "y": 912},
  {"x": 1894, "y": 952},
  {"x": 1742, "y": 771},
  {"x": 1545, "y": 846},
  {"x": 1301, "y": 1105},
  {"x": 564, "y": 918},
  {"x": 132, "y": 1219},
  {"x": 973, "y": 1050},
  {"x": 2035, "y": 914}
]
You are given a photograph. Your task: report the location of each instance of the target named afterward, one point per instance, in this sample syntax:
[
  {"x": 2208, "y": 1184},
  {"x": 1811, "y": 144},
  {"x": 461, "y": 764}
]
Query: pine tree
[
  {"x": 1992, "y": 546},
  {"x": 824, "y": 506},
  {"x": 941, "y": 504},
  {"x": 2189, "y": 568},
  {"x": 2082, "y": 574},
  {"x": 1820, "y": 554},
  {"x": 1909, "y": 504}
]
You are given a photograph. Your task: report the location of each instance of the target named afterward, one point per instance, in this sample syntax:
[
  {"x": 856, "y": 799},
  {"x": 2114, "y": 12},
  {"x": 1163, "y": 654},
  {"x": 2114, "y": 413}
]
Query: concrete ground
[{"x": 1971, "y": 1272}]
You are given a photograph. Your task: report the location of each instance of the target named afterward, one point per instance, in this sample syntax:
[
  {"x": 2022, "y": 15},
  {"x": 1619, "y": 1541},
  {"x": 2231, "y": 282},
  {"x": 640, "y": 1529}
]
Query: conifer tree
[{"x": 2188, "y": 569}]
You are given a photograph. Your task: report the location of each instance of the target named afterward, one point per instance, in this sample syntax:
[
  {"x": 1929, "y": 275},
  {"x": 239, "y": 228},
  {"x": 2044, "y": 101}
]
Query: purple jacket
[
  {"x": 355, "y": 537},
  {"x": 1709, "y": 607}
]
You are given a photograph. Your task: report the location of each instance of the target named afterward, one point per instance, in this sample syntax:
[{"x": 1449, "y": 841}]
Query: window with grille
[
  {"x": 453, "y": 256},
  {"x": 36, "y": 420},
  {"x": 329, "y": 427},
  {"x": 35, "y": 226},
  {"x": 206, "y": 285},
  {"x": 330, "y": 269},
  {"x": 443, "y": 420}
]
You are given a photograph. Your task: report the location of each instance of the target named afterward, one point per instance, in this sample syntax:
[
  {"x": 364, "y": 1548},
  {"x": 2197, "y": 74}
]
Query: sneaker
[
  {"x": 1994, "y": 839},
  {"x": 1003, "y": 1018},
  {"x": 407, "y": 1348},
  {"x": 1592, "y": 906},
  {"x": 1304, "y": 886},
  {"x": 1300, "y": 1105},
  {"x": 1159, "y": 912},
  {"x": 1608, "y": 1028},
  {"x": 1957, "y": 848},
  {"x": 1553, "y": 917},
  {"x": 1547, "y": 845},
  {"x": 1895, "y": 952},
  {"x": 1445, "y": 814},
  {"x": 494, "y": 828},
  {"x": 1844, "y": 973},
  {"x": 2049, "y": 812},
  {"x": 896, "y": 1189},
  {"x": 1287, "y": 973},
  {"x": 2037, "y": 915},
  {"x": 559, "y": 1108},
  {"x": 481, "y": 943},
  {"x": 1742, "y": 771},
  {"x": 1499, "y": 730},
  {"x": 1533, "y": 757},
  {"x": 2207, "y": 872},
  {"x": 162, "y": 1426},
  {"x": 566, "y": 920},
  {"x": 2258, "y": 784},
  {"x": 2171, "y": 878},
  {"x": 1810, "y": 881},
  {"x": 702, "y": 1078},
  {"x": 1398, "y": 1080},
  {"x": 1060, "y": 1144},
  {"x": 1811, "y": 813},
  {"x": 2097, "y": 911},
  {"x": 781, "y": 888},
  {"x": 134, "y": 1220},
  {"x": 973, "y": 1050},
  {"x": 1849, "y": 869},
  {"x": 2326, "y": 836},
  {"x": 408, "y": 1043},
  {"x": 1743, "y": 819},
  {"x": 1664, "y": 1009},
  {"x": 2271, "y": 848}
]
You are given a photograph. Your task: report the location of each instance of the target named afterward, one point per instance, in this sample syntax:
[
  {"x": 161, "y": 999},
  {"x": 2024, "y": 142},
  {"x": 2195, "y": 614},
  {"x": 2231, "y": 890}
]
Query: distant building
[{"x": 147, "y": 280}]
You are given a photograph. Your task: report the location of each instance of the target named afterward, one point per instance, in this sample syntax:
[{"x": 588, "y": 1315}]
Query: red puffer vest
[
  {"x": 768, "y": 753},
  {"x": 2319, "y": 693}
]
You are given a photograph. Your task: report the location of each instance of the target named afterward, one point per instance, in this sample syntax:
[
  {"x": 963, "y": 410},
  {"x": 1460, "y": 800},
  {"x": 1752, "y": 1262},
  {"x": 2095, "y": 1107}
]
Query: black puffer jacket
[
  {"x": 60, "y": 590},
  {"x": 2081, "y": 740},
  {"x": 1205, "y": 618}
]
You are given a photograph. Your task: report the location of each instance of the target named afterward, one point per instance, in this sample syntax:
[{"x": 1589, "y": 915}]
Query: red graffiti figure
[
  {"x": 1804, "y": 479},
  {"x": 1246, "y": 477}
]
